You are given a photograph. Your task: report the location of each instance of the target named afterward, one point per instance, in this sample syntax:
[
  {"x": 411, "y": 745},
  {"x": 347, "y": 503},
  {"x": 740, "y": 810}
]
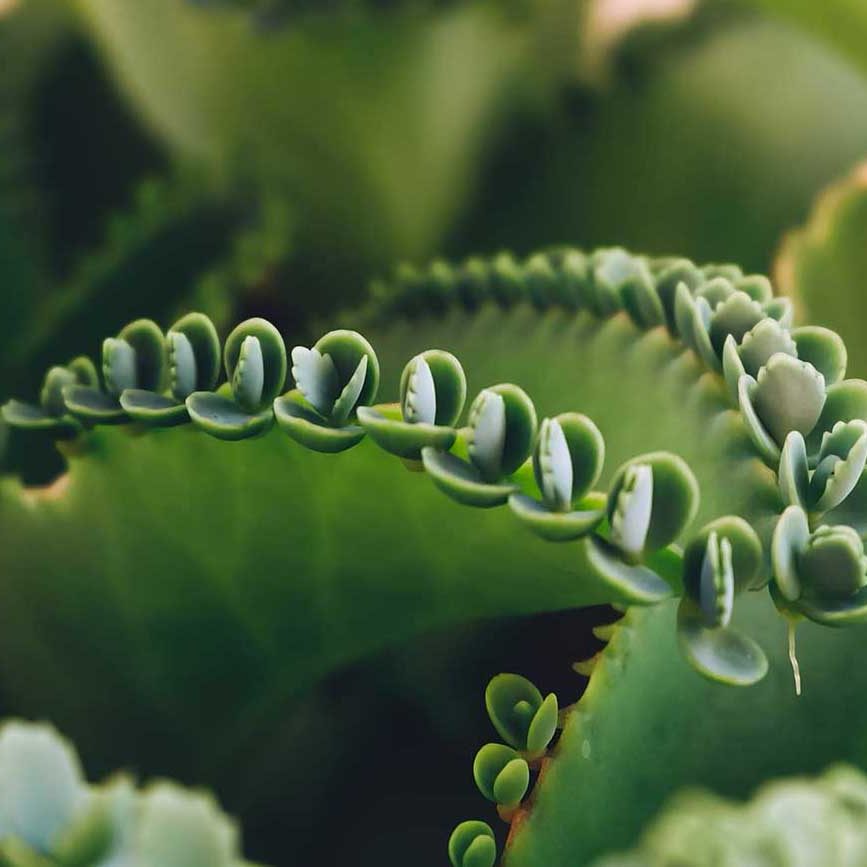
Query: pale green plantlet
[
  {"x": 433, "y": 391},
  {"x": 333, "y": 379},
  {"x": 502, "y": 775},
  {"x": 521, "y": 716}
]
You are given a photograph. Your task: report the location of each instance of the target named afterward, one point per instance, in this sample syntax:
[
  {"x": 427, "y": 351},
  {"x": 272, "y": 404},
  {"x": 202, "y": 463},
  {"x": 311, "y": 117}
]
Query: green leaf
[
  {"x": 472, "y": 844},
  {"x": 307, "y": 427},
  {"x": 501, "y": 774}
]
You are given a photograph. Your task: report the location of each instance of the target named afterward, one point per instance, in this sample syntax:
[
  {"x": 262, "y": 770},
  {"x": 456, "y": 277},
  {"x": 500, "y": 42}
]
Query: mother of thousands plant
[{"x": 645, "y": 432}]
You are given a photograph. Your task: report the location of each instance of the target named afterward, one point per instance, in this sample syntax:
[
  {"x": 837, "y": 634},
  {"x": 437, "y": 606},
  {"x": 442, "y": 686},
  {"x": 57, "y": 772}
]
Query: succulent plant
[{"x": 624, "y": 542}]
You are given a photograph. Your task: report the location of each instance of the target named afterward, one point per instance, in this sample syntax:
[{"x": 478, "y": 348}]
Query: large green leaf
[{"x": 202, "y": 584}]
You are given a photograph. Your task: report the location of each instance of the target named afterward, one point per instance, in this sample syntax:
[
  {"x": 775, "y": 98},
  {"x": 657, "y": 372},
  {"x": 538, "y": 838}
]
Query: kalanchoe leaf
[
  {"x": 502, "y": 421},
  {"x": 183, "y": 371},
  {"x": 822, "y": 575},
  {"x": 842, "y": 457},
  {"x": 763, "y": 341},
  {"x": 148, "y": 344},
  {"x": 149, "y": 407},
  {"x": 717, "y": 582},
  {"x": 788, "y": 395},
  {"x": 220, "y": 415},
  {"x": 316, "y": 378},
  {"x": 780, "y": 308},
  {"x": 558, "y": 526},
  {"x": 715, "y": 291},
  {"x": 675, "y": 496},
  {"x": 747, "y": 559},
  {"x": 194, "y": 355},
  {"x": 630, "y": 583},
  {"x": 419, "y": 401},
  {"x": 273, "y": 363},
  {"x": 501, "y": 774},
  {"x": 347, "y": 400},
  {"x": 681, "y": 271},
  {"x": 684, "y": 313},
  {"x": 845, "y": 401},
  {"x": 488, "y": 438},
  {"x": 640, "y": 298},
  {"x": 609, "y": 269},
  {"x": 552, "y": 463},
  {"x": 722, "y": 654},
  {"x": 790, "y": 539},
  {"x": 736, "y": 315},
  {"x": 450, "y": 386},
  {"x": 757, "y": 286},
  {"x": 295, "y": 416},
  {"x": 42, "y": 786},
  {"x": 630, "y": 509},
  {"x": 118, "y": 366},
  {"x": 568, "y": 459},
  {"x": 462, "y": 481},
  {"x": 346, "y": 349},
  {"x": 472, "y": 844},
  {"x": 824, "y": 349},
  {"x": 794, "y": 472},
  {"x": 727, "y": 270},
  {"x": 520, "y": 715},
  {"x": 248, "y": 377}
]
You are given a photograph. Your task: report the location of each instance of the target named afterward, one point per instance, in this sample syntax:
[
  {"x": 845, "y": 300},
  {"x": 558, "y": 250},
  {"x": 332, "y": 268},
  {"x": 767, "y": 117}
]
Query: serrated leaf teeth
[
  {"x": 555, "y": 466},
  {"x": 315, "y": 377},
  {"x": 488, "y": 434},
  {"x": 118, "y": 365},
  {"x": 842, "y": 458},
  {"x": 420, "y": 400},
  {"x": 630, "y": 518},
  {"x": 788, "y": 395},
  {"x": 183, "y": 372}
]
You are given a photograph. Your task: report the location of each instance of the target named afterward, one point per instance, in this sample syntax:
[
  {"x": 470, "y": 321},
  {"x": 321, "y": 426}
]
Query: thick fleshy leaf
[
  {"x": 846, "y": 441},
  {"x": 736, "y": 315},
  {"x": 42, "y": 785},
  {"x": 790, "y": 539},
  {"x": 295, "y": 416},
  {"x": 715, "y": 290},
  {"x": 630, "y": 508},
  {"x": 199, "y": 339},
  {"x": 684, "y": 311},
  {"x": 723, "y": 654},
  {"x": 346, "y": 349},
  {"x": 315, "y": 377},
  {"x": 385, "y": 425},
  {"x": 764, "y": 341},
  {"x": 148, "y": 344},
  {"x": 273, "y": 356},
  {"x": 793, "y": 474},
  {"x": 462, "y": 481},
  {"x": 845, "y": 401},
  {"x": 488, "y": 434},
  {"x": 675, "y": 496},
  {"x": 347, "y": 400},
  {"x": 681, "y": 271},
  {"x": 513, "y": 703},
  {"x": 732, "y": 366},
  {"x": 148, "y": 407},
  {"x": 30, "y": 417},
  {"x": 221, "y": 417},
  {"x": 543, "y": 726},
  {"x": 761, "y": 439},
  {"x": 838, "y": 612},
  {"x": 781, "y": 309},
  {"x": 632, "y": 583},
  {"x": 472, "y": 844},
  {"x": 640, "y": 299},
  {"x": 586, "y": 448},
  {"x": 701, "y": 318},
  {"x": 824, "y": 349},
  {"x": 833, "y": 566},
  {"x": 248, "y": 377},
  {"x": 717, "y": 581},
  {"x": 552, "y": 465},
  {"x": 93, "y": 405},
  {"x": 789, "y": 395},
  {"x": 557, "y": 526},
  {"x": 757, "y": 286},
  {"x": 118, "y": 366},
  {"x": 747, "y": 560},
  {"x": 450, "y": 385},
  {"x": 501, "y": 775},
  {"x": 419, "y": 400}
]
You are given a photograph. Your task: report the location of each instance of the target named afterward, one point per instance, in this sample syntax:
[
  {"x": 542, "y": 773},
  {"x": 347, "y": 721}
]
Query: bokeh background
[{"x": 277, "y": 157}]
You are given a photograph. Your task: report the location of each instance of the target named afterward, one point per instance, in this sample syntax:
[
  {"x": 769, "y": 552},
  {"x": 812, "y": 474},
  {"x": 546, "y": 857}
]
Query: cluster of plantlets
[
  {"x": 818, "y": 820},
  {"x": 50, "y": 816},
  {"x": 806, "y": 423}
]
